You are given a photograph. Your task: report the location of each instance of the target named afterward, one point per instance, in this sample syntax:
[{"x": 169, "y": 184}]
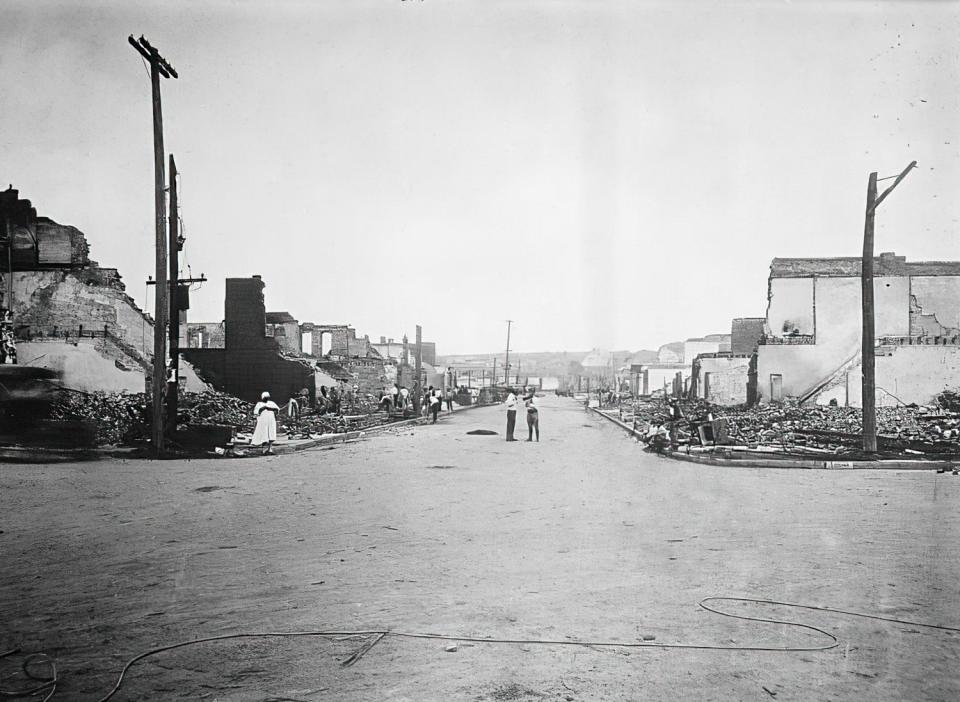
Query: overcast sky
[{"x": 607, "y": 174}]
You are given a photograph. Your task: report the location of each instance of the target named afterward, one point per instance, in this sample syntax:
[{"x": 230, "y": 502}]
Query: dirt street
[{"x": 581, "y": 537}]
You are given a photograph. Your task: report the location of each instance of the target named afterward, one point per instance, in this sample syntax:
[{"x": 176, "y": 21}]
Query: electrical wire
[
  {"x": 381, "y": 634},
  {"x": 46, "y": 681}
]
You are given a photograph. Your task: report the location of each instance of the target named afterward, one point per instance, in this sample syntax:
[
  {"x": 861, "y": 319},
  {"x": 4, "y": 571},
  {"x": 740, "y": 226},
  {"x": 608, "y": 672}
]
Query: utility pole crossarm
[
  {"x": 913, "y": 164},
  {"x": 152, "y": 55}
]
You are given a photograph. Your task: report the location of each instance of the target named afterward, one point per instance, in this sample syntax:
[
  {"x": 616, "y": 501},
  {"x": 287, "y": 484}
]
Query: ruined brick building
[
  {"x": 812, "y": 331},
  {"x": 69, "y": 313},
  {"x": 253, "y": 350}
]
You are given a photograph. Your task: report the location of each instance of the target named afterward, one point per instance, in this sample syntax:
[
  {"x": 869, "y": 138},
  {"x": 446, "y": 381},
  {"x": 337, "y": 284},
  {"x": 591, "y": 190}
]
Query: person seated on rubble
[
  {"x": 304, "y": 400},
  {"x": 386, "y": 402},
  {"x": 334, "y": 397},
  {"x": 657, "y": 437}
]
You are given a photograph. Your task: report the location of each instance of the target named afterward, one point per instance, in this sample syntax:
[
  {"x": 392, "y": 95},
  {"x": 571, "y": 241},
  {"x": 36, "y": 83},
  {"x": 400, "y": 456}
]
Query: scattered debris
[
  {"x": 803, "y": 430},
  {"x": 124, "y": 419}
]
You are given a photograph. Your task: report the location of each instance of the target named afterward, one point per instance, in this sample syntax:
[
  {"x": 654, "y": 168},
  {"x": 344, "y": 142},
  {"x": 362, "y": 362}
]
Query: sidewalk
[{"x": 291, "y": 446}]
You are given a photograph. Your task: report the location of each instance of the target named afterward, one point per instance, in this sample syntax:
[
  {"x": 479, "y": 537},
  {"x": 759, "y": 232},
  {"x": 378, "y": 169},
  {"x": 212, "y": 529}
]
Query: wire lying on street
[
  {"x": 48, "y": 683},
  {"x": 379, "y": 635}
]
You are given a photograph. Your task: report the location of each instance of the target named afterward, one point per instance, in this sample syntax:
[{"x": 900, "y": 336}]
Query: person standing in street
[
  {"x": 435, "y": 404},
  {"x": 266, "y": 430},
  {"x": 533, "y": 415},
  {"x": 511, "y": 404},
  {"x": 448, "y": 396}
]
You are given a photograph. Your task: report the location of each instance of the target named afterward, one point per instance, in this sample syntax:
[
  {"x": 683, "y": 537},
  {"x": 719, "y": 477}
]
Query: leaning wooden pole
[
  {"x": 869, "y": 387},
  {"x": 869, "y": 392},
  {"x": 160, "y": 307}
]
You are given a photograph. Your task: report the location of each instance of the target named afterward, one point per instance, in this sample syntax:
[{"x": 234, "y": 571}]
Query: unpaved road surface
[{"x": 579, "y": 537}]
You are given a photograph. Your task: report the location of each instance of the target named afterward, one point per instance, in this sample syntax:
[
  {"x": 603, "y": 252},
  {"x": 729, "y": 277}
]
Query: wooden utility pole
[
  {"x": 506, "y": 365},
  {"x": 8, "y": 302},
  {"x": 158, "y": 67},
  {"x": 868, "y": 395},
  {"x": 418, "y": 387},
  {"x": 869, "y": 387},
  {"x": 173, "y": 384}
]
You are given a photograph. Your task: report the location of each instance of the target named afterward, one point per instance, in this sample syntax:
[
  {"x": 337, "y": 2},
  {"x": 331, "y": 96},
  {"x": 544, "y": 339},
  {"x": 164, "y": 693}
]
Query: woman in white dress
[{"x": 266, "y": 431}]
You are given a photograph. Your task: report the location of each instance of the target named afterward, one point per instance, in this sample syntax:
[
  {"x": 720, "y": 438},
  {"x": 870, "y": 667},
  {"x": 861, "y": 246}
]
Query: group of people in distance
[
  {"x": 529, "y": 400},
  {"x": 398, "y": 398}
]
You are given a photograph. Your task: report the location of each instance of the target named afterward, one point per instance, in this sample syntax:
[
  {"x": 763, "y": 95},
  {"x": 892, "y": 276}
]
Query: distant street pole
[
  {"x": 158, "y": 67},
  {"x": 418, "y": 389},
  {"x": 173, "y": 387},
  {"x": 869, "y": 386},
  {"x": 506, "y": 365}
]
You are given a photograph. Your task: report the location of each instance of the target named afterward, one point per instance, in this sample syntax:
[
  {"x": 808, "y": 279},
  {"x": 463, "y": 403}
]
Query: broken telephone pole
[
  {"x": 158, "y": 67},
  {"x": 868, "y": 388}
]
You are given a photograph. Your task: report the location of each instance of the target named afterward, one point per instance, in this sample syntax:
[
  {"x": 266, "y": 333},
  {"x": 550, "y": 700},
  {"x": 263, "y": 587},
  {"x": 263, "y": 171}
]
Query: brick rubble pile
[
  {"x": 905, "y": 430},
  {"x": 125, "y": 419}
]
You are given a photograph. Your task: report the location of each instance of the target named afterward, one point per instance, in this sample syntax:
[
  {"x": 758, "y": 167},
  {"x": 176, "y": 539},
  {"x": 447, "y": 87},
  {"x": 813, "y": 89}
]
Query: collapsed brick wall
[
  {"x": 369, "y": 374},
  {"x": 336, "y": 336},
  {"x": 245, "y": 314},
  {"x": 287, "y": 336},
  {"x": 355, "y": 346},
  {"x": 68, "y": 300},
  {"x": 250, "y": 362},
  {"x": 248, "y": 373},
  {"x": 205, "y": 335},
  {"x": 745, "y": 333}
]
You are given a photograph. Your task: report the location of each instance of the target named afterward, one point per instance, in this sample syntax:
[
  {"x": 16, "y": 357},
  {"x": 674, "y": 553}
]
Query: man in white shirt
[{"x": 511, "y": 414}]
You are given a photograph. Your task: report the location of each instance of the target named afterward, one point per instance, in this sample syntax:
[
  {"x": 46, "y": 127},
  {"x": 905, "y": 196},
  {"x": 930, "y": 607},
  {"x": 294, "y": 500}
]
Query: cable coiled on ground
[{"x": 832, "y": 641}]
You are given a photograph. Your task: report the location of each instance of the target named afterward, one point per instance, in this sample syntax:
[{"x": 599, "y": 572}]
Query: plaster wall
[
  {"x": 656, "y": 376},
  {"x": 939, "y": 296},
  {"x": 837, "y": 323},
  {"x": 790, "y": 306},
  {"x": 82, "y": 366},
  {"x": 911, "y": 374},
  {"x": 91, "y": 365}
]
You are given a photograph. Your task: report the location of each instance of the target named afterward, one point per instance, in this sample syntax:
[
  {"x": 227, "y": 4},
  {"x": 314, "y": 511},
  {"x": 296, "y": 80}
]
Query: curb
[{"x": 787, "y": 463}]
